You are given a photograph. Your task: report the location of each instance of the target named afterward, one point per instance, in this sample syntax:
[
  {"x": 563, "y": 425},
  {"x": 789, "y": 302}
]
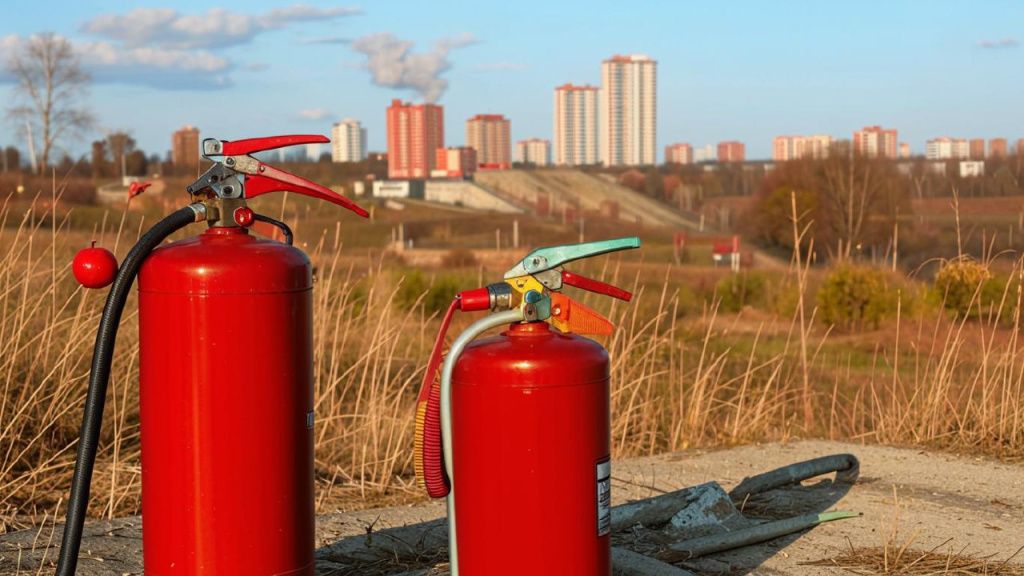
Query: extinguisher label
[{"x": 604, "y": 498}]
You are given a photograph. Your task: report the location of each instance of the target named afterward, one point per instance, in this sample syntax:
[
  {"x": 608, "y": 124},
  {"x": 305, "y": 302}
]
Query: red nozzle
[{"x": 474, "y": 300}]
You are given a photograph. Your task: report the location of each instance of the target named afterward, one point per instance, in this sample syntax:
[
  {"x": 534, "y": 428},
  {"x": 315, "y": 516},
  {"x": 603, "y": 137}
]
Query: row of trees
[{"x": 843, "y": 204}]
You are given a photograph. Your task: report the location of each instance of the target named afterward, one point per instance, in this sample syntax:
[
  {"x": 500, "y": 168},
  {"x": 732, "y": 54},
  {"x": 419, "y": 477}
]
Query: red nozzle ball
[{"x": 94, "y": 267}]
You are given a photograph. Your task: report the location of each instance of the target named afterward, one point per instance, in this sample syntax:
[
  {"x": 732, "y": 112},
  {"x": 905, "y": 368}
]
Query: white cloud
[
  {"x": 313, "y": 114},
  {"x": 217, "y": 28},
  {"x": 1002, "y": 43},
  {"x": 299, "y": 12},
  {"x": 167, "y": 28},
  {"x": 165, "y": 49},
  {"x": 393, "y": 64},
  {"x": 143, "y": 65},
  {"x": 156, "y": 67}
]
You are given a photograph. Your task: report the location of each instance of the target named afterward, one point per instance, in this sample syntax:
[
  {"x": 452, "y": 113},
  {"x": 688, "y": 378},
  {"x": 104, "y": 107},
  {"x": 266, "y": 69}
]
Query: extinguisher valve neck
[{"x": 500, "y": 295}]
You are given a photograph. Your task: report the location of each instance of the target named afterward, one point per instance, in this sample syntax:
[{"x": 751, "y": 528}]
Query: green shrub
[
  {"x": 742, "y": 289},
  {"x": 962, "y": 284},
  {"x": 437, "y": 293},
  {"x": 855, "y": 297},
  {"x": 459, "y": 258}
]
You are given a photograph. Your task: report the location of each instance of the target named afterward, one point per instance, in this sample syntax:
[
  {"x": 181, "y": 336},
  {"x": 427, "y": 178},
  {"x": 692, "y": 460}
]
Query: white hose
[{"x": 474, "y": 330}]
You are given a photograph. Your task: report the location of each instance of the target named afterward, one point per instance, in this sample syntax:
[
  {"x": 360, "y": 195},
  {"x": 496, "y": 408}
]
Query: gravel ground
[{"x": 947, "y": 502}]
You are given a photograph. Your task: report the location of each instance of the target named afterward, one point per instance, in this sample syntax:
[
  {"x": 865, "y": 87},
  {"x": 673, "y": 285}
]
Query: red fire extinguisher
[
  {"x": 516, "y": 432},
  {"x": 226, "y": 381}
]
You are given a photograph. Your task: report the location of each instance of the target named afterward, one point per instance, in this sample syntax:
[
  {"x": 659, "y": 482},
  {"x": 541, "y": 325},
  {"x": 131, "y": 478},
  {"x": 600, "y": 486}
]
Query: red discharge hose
[{"x": 429, "y": 459}]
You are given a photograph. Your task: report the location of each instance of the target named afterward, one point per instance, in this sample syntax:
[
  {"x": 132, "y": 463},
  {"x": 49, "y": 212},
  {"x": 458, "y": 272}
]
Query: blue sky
[{"x": 743, "y": 71}]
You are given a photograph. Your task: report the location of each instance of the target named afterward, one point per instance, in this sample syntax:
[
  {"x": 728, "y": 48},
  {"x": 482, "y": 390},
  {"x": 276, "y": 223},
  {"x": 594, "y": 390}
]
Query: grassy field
[{"x": 689, "y": 369}]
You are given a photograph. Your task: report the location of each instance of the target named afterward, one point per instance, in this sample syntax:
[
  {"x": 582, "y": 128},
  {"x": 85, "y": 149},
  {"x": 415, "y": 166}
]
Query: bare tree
[
  {"x": 860, "y": 196},
  {"x": 51, "y": 87}
]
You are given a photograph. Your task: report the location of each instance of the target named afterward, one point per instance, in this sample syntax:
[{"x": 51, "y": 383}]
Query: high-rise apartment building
[
  {"x": 1020, "y": 147},
  {"x": 875, "y": 142},
  {"x": 794, "y": 147},
  {"x": 185, "y": 147},
  {"x": 681, "y": 153},
  {"x": 904, "y": 150},
  {"x": 629, "y": 110},
  {"x": 731, "y": 151},
  {"x": 533, "y": 151},
  {"x": 997, "y": 148},
  {"x": 576, "y": 124},
  {"x": 458, "y": 162},
  {"x": 348, "y": 141},
  {"x": 415, "y": 132},
  {"x": 705, "y": 153},
  {"x": 490, "y": 136},
  {"x": 977, "y": 148},
  {"x": 947, "y": 148}
]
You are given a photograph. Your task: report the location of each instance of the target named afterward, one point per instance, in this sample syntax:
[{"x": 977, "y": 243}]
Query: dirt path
[{"x": 969, "y": 505}]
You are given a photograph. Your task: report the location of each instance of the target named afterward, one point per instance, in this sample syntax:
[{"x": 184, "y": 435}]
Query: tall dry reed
[{"x": 677, "y": 382}]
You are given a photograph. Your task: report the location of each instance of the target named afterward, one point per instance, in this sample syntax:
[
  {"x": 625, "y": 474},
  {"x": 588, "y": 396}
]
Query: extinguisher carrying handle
[{"x": 99, "y": 377}]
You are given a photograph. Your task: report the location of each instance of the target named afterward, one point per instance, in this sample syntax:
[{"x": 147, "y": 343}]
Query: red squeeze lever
[
  {"x": 591, "y": 285},
  {"x": 250, "y": 145},
  {"x": 262, "y": 178}
]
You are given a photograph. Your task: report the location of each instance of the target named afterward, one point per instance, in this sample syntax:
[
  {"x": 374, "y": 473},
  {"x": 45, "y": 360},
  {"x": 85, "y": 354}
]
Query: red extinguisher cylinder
[
  {"x": 226, "y": 407},
  {"x": 531, "y": 445}
]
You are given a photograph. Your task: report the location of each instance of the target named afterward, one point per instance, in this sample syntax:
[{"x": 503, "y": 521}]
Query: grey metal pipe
[
  {"x": 697, "y": 547},
  {"x": 846, "y": 467},
  {"x": 467, "y": 336}
]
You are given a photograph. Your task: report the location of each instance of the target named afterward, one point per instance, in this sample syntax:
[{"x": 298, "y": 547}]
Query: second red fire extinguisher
[{"x": 516, "y": 431}]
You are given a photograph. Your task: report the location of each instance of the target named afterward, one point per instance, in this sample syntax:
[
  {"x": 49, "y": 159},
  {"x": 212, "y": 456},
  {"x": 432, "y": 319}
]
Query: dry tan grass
[
  {"x": 676, "y": 383},
  {"x": 897, "y": 556}
]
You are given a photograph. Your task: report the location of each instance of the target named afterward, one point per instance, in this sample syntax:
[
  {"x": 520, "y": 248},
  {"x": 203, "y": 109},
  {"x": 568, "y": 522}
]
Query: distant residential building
[
  {"x": 576, "y": 124},
  {"x": 969, "y": 168},
  {"x": 490, "y": 136},
  {"x": 731, "y": 151},
  {"x": 533, "y": 151},
  {"x": 185, "y": 147},
  {"x": 348, "y": 141},
  {"x": 1020, "y": 147},
  {"x": 794, "y": 147},
  {"x": 904, "y": 150},
  {"x": 457, "y": 162},
  {"x": 704, "y": 154},
  {"x": 628, "y": 111},
  {"x": 977, "y": 148},
  {"x": 415, "y": 132},
  {"x": 679, "y": 154},
  {"x": 947, "y": 148},
  {"x": 875, "y": 142},
  {"x": 997, "y": 148}
]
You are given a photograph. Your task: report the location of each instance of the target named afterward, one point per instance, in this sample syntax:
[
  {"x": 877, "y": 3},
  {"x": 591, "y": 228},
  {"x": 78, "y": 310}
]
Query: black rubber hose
[
  {"x": 288, "y": 237},
  {"x": 99, "y": 376}
]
